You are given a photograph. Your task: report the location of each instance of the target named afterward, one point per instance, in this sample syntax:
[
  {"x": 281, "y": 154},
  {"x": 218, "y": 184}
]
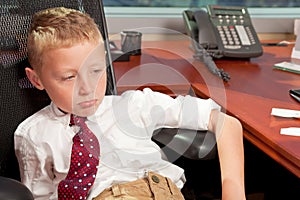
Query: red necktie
[{"x": 83, "y": 165}]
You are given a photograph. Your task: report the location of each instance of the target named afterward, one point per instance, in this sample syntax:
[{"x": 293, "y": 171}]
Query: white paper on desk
[
  {"x": 288, "y": 66},
  {"x": 280, "y": 112},
  {"x": 292, "y": 131}
]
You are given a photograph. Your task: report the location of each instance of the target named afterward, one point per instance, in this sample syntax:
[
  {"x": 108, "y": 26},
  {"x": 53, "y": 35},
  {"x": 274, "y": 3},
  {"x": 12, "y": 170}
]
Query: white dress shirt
[{"x": 124, "y": 126}]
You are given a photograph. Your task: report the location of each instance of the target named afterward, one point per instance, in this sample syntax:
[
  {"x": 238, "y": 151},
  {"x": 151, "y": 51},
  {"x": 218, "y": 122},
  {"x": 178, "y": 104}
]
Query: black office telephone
[{"x": 223, "y": 31}]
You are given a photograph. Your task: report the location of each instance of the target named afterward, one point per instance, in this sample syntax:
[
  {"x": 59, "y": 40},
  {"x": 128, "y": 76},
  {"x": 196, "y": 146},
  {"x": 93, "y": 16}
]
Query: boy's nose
[{"x": 85, "y": 86}]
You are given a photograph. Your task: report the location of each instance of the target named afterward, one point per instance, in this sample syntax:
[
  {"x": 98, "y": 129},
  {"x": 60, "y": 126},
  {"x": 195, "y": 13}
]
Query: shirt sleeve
[
  {"x": 35, "y": 168},
  {"x": 195, "y": 112},
  {"x": 161, "y": 110}
]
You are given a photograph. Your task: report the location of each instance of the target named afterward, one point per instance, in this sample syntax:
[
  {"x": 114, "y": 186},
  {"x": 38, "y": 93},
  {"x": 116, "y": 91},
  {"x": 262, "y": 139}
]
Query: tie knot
[{"x": 76, "y": 120}]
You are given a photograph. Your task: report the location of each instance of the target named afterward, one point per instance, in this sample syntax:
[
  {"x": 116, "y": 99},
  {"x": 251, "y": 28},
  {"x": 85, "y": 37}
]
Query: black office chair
[{"x": 18, "y": 99}]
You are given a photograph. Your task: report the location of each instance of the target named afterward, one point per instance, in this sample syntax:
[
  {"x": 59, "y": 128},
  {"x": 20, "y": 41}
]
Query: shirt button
[{"x": 155, "y": 179}]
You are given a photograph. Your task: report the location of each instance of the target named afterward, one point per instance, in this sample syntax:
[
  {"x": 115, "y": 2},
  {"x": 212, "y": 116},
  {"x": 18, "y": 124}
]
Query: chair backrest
[{"x": 18, "y": 99}]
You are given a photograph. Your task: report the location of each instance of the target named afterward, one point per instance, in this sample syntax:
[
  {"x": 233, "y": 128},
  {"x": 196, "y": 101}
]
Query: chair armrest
[
  {"x": 197, "y": 145},
  {"x": 13, "y": 189}
]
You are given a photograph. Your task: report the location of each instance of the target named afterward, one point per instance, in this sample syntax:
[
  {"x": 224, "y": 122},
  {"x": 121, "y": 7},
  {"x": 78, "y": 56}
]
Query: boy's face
[{"x": 74, "y": 78}]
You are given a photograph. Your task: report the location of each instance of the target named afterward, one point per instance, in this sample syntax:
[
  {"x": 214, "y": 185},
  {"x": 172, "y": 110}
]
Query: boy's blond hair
[{"x": 59, "y": 28}]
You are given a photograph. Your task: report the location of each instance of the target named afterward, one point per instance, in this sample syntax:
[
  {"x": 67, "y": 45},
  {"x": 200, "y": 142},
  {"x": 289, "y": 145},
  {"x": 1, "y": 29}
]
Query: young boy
[{"x": 67, "y": 56}]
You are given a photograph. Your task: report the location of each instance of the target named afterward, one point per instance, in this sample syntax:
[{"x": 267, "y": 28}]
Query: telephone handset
[{"x": 223, "y": 31}]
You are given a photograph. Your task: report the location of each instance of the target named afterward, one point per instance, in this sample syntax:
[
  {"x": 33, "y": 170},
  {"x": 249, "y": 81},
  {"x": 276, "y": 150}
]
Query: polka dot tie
[{"x": 83, "y": 165}]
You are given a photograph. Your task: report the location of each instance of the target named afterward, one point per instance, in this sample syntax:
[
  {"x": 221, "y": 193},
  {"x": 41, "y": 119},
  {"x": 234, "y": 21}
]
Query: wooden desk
[{"x": 254, "y": 89}]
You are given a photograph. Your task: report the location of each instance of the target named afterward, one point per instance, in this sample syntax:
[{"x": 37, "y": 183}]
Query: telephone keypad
[
  {"x": 233, "y": 36},
  {"x": 232, "y": 31}
]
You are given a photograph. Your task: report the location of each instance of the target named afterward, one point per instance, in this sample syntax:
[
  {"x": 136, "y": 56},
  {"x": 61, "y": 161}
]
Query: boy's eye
[
  {"x": 96, "y": 70},
  {"x": 69, "y": 77}
]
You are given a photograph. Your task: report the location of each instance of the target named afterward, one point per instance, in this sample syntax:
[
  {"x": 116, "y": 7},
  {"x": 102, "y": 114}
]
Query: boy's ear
[{"x": 34, "y": 78}]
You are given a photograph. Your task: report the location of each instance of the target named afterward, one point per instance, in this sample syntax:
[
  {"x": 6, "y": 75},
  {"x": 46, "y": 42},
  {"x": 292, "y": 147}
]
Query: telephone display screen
[{"x": 228, "y": 12}]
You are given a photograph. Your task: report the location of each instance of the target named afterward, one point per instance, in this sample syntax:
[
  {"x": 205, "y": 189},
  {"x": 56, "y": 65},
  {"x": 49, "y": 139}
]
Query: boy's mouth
[{"x": 87, "y": 104}]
